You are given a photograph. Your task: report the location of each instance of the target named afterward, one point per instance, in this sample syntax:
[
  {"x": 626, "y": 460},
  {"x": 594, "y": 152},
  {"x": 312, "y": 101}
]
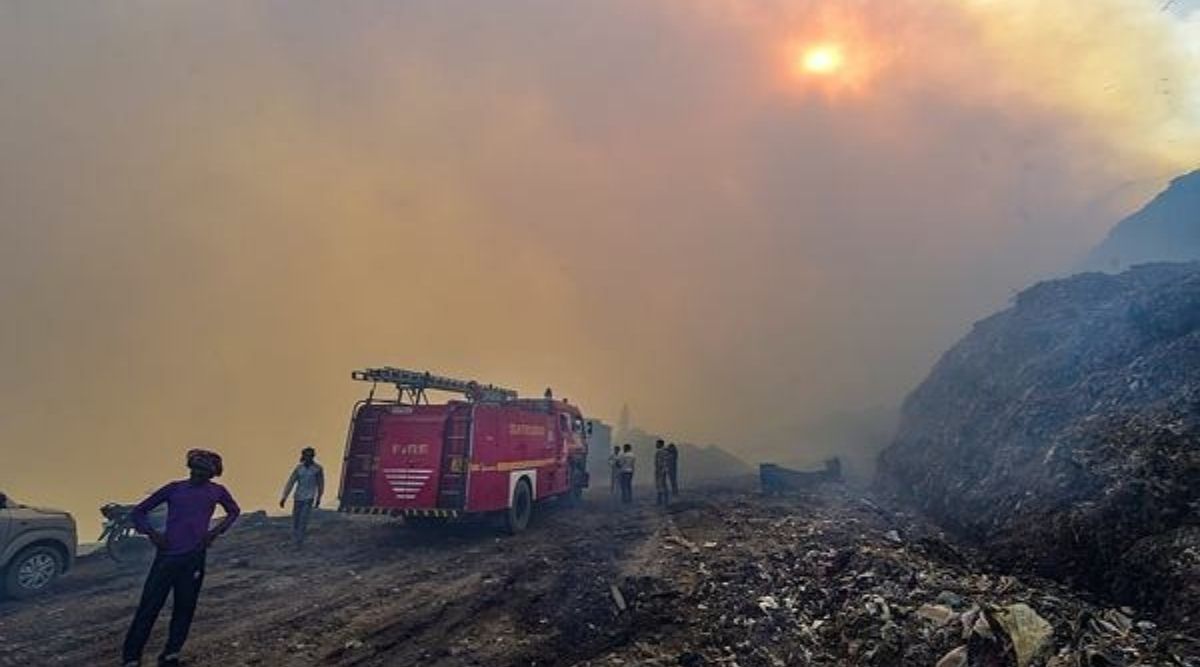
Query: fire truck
[{"x": 486, "y": 452}]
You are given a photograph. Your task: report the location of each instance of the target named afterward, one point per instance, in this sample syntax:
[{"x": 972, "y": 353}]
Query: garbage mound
[
  {"x": 1063, "y": 434},
  {"x": 824, "y": 581},
  {"x": 1165, "y": 230}
]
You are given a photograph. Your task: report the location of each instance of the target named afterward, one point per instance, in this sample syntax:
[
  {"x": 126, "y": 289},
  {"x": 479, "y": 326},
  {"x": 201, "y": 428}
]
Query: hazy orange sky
[{"x": 210, "y": 212}]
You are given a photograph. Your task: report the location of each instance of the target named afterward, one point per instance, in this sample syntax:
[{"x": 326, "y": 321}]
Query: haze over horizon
[{"x": 213, "y": 212}]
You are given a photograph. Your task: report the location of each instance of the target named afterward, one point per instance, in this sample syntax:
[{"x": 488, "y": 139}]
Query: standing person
[
  {"x": 625, "y": 462},
  {"x": 661, "y": 473},
  {"x": 308, "y": 478},
  {"x": 614, "y": 471},
  {"x": 673, "y": 468},
  {"x": 178, "y": 566}
]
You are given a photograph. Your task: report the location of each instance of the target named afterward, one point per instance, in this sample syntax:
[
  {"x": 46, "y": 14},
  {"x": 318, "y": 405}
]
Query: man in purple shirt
[{"x": 179, "y": 564}]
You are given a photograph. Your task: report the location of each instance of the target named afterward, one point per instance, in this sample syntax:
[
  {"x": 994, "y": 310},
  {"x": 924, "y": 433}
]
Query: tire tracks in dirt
[{"x": 365, "y": 594}]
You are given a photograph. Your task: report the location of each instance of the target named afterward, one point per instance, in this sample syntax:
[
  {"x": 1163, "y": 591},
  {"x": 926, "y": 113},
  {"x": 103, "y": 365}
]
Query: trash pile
[
  {"x": 820, "y": 581},
  {"x": 1063, "y": 436}
]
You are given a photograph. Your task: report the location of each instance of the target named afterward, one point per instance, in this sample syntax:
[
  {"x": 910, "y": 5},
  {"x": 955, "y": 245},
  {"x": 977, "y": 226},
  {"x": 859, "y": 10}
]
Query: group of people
[
  {"x": 666, "y": 472},
  {"x": 178, "y": 567}
]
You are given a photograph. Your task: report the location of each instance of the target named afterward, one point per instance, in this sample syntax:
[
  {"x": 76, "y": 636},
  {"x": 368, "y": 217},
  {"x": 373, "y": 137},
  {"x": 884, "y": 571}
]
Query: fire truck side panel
[
  {"x": 550, "y": 462},
  {"x": 485, "y": 490},
  {"x": 410, "y": 456},
  {"x": 509, "y": 442}
]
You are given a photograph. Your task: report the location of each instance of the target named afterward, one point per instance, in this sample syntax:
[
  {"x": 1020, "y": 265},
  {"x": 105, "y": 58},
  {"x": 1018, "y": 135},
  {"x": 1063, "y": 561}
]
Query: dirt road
[
  {"x": 724, "y": 577},
  {"x": 366, "y": 592}
]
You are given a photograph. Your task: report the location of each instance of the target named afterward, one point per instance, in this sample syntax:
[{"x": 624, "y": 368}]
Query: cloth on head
[{"x": 205, "y": 461}]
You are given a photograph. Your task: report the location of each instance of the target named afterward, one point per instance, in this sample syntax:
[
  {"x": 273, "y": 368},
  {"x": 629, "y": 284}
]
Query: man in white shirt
[
  {"x": 625, "y": 463},
  {"x": 308, "y": 478}
]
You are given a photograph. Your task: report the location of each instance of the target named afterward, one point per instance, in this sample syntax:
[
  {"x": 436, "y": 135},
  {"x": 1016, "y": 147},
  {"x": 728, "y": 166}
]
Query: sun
[
  {"x": 835, "y": 67},
  {"x": 822, "y": 59},
  {"x": 833, "y": 53}
]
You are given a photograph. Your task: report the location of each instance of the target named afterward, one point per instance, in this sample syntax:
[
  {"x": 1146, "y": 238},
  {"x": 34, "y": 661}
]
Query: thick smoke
[{"x": 211, "y": 212}]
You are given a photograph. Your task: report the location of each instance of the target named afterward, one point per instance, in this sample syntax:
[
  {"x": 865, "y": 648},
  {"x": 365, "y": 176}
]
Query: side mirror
[
  {"x": 3, "y": 501},
  {"x": 589, "y": 428}
]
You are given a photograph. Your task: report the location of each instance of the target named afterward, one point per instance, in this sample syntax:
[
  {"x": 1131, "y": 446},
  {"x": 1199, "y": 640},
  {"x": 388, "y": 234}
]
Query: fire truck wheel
[{"x": 517, "y": 517}]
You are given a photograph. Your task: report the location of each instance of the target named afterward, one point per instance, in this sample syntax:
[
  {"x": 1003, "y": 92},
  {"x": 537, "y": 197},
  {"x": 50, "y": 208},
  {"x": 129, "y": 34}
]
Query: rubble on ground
[
  {"x": 723, "y": 577},
  {"x": 818, "y": 581}
]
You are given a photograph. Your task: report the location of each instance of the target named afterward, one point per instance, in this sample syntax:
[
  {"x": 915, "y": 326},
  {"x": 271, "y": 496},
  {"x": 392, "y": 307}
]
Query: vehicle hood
[{"x": 48, "y": 511}]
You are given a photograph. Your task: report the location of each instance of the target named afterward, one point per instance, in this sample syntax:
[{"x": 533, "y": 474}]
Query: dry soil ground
[{"x": 724, "y": 577}]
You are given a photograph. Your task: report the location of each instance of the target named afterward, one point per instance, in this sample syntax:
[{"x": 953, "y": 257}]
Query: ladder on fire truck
[{"x": 412, "y": 385}]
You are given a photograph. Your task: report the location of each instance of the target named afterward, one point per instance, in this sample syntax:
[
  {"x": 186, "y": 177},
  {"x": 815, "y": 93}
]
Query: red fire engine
[{"x": 487, "y": 453}]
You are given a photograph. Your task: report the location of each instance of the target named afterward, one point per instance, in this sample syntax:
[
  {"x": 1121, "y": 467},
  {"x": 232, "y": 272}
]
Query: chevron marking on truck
[{"x": 406, "y": 483}]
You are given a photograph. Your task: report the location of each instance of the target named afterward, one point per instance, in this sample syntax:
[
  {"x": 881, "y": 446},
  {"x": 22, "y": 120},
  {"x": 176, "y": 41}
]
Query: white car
[{"x": 36, "y": 547}]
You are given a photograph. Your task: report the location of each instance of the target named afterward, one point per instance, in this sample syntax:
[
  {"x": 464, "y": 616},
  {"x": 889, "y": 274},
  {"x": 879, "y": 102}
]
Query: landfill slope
[
  {"x": 724, "y": 577},
  {"x": 1165, "y": 229},
  {"x": 1063, "y": 434}
]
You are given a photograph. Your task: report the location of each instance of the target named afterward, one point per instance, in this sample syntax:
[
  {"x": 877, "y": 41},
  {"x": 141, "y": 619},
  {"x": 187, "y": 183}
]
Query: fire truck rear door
[{"x": 362, "y": 456}]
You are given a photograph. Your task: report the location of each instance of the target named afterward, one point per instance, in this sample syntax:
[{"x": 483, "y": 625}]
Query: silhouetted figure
[
  {"x": 662, "y": 469},
  {"x": 673, "y": 468},
  {"x": 614, "y": 471},
  {"x": 178, "y": 567}
]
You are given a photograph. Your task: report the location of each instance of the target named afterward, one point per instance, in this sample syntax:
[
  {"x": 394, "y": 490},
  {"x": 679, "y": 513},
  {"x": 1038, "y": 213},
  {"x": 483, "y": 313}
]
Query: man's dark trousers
[
  {"x": 301, "y": 512},
  {"x": 181, "y": 575},
  {"x": 626, "y": 487}
]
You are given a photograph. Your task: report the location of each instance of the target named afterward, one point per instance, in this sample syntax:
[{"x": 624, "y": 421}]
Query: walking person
[
  {"x": 625, "y": 463},
  {"x": 614, "y": 471},
  {"x": 308, "y": 478},
  {"x": 673, "y": 468},
  {"x": 662, "y": 473},
  {"x": 178, "y": 567}
]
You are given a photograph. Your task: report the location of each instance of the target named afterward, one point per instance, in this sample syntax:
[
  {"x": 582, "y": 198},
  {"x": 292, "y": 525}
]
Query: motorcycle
[{"x": 122, "y": 541}]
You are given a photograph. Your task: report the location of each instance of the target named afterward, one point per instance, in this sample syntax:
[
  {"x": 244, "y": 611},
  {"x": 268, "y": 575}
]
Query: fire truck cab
[{"x": 489, "y": 452}]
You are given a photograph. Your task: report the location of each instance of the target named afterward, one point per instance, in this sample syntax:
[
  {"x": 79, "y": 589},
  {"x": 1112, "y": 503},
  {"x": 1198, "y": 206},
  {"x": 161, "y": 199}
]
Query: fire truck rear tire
[{"x": 516, "y": 519}]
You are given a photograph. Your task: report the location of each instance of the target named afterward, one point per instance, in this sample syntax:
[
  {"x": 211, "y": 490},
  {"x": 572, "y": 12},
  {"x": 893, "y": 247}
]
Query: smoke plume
[{"x": 211, "y": 212}]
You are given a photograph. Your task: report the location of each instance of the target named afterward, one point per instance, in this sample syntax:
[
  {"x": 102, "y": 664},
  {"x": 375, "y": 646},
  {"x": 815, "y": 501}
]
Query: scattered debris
[
  {"x": 618, "y": 598},
  {"x": 955, "y": 658},
  {"x": 803, "y": 579},
  {"x": 938, "y": 614},
  {"x": 1027, "y": 631}
]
